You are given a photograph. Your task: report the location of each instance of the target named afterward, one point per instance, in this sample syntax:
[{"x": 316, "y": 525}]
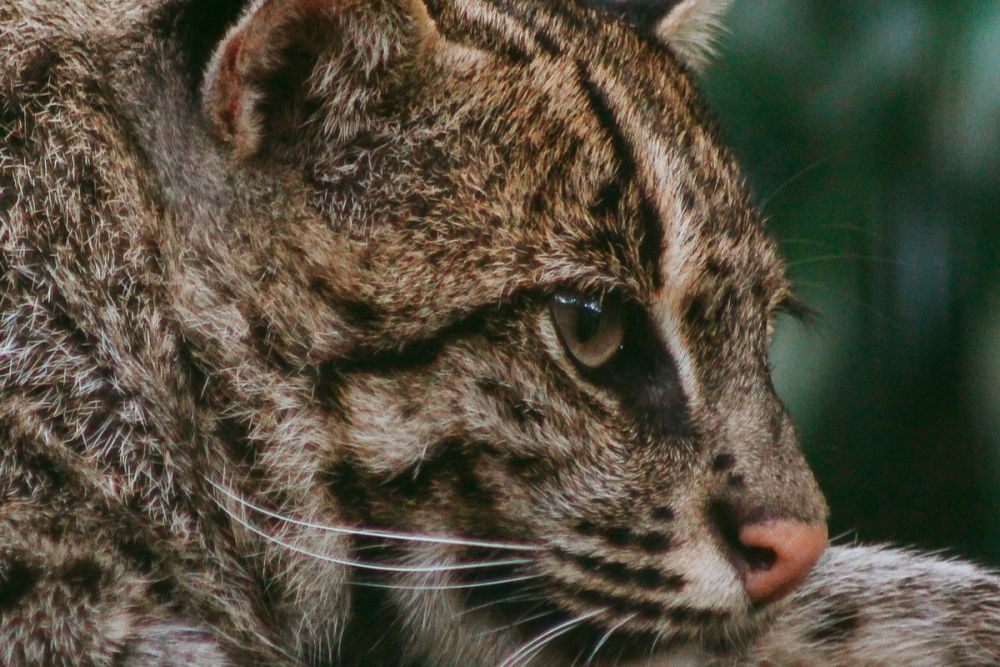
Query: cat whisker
[
  {"x": 847, "y": 538},
  {"x": 526, "y": 653},
  {"x": 412, "y": 569},
  {"x": 368, "y": 532},
  {"x": 801, "y": 173},
  {"x": 652, "y": 646},
  {"x": 520, "y": 621},
  {"x": 859, "y": 257},
  {"x": 810, "y": 242},
  {"x": 605, "y": 638},
  {"x": 524, "y": 595},
  {"x": 446, "y": 587},
  {"x": 850, "y": 298}
]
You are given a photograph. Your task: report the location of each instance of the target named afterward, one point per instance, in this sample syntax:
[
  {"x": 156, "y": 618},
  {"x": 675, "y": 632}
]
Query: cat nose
[{"x": 783, "y": 553}]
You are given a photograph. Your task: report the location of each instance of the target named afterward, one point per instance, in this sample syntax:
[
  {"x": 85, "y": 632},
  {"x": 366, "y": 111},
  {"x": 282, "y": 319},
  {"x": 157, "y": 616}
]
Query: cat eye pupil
[{"x": 589, "y": 321}]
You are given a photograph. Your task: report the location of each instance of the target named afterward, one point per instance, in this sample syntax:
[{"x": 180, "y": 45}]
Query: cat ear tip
[
  {"x": 690, "y": 27},
  {"x": 698, "y": 46}
]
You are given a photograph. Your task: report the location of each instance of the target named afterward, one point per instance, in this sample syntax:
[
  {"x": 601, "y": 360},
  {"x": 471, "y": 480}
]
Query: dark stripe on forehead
[
  {"x": 526, "y": 18},
  {"x": 480, "y": 23},
  {"x": 651, "y": 225}
]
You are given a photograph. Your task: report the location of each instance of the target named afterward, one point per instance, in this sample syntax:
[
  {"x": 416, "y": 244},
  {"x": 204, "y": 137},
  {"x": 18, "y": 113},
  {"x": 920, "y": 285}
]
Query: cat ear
[
  {"x": 689, "y": 27},
  {"x": 287, "y": 63}
]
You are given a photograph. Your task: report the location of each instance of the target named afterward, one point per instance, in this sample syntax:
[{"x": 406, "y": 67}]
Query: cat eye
[{"x": 592, "y": 329}]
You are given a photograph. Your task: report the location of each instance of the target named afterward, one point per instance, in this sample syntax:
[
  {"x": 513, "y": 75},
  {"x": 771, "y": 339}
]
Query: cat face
[{"x": 559, "y": 321}]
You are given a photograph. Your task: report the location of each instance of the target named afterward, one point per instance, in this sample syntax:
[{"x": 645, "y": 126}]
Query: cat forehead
[
  {"x": 614, "y": 137},
  {"x": 549, "y": 148}
]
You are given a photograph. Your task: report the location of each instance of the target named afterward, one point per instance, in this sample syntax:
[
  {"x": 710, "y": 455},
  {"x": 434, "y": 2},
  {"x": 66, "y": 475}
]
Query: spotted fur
[{"x": 278, "y": 380}]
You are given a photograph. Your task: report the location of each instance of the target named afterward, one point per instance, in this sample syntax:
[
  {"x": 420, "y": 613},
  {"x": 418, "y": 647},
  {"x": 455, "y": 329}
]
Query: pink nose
[{"x": 788, "y": 551}]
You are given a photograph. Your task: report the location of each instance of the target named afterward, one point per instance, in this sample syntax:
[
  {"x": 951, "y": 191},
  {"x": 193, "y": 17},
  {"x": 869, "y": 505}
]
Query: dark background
[{"x": 870, "y": 132}]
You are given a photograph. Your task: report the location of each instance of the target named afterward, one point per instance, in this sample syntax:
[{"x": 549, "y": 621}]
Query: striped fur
[{"x": 278, "y": 380}]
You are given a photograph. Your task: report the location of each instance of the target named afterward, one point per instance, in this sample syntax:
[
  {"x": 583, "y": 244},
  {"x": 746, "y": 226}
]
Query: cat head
[{"x": 553, "y": 301}]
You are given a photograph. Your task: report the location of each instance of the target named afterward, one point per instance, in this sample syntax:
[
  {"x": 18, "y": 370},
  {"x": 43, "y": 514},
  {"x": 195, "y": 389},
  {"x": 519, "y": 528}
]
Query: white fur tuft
[{"x": 691, "y": 29}]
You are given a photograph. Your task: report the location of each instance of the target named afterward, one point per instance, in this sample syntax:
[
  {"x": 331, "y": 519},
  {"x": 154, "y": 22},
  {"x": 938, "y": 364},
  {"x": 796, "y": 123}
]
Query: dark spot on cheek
[
  {"x": 235, "y": 436},
  {"x": 663, "y": 513},
  {"x": 619, "y": 536},
  {"x": 138, "y": 553},
  {"x": 16, "y": 581},
  {"x": 320, "y": 287},
  {"x": 348, "y": 488},
  {"x": 736, "y": 481},
  {"x": 163, "y": 590},
  {"x": 654, "y": 542},
  {"x": 723, "y": 462},
  {"x": 38, "y": 72},
  {"x": 420, "y": 208},
  {"x": 614, "y": 571},
  {"x": 85, "y": 576},
  {"x": 468, "y": 486},
  {"x": 471, "y": 489},
  {"x": 838, "y": 622},
  {"x": 651, "y": 578}
]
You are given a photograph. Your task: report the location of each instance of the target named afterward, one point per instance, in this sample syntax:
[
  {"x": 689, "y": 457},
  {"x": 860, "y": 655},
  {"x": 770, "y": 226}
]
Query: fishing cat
[{"x": 406, "y": 332}]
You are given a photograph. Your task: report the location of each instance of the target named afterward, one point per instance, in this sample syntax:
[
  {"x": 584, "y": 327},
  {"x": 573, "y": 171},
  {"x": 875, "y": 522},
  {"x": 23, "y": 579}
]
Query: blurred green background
[{"x": 870, "y": 132}]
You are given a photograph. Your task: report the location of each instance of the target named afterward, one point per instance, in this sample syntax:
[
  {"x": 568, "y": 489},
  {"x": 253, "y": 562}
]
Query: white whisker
[
  {"x": 652, "y": 647},
  {"x": 524, "y": 594},
  {"x": 520, "y": 621},
  {"x": 605, "y": 638},
  {"x": 367, "y": 532},
  {"x": 530, "y": 650},
  {"x": 447, "y": 587},
  {"x": 371, "y": 566}
]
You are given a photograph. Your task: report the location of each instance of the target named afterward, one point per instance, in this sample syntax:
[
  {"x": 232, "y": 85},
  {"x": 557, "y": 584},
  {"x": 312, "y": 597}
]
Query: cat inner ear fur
[
  {"x": 688, "y": 27},
  {"x": 288, "y": 64}
]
